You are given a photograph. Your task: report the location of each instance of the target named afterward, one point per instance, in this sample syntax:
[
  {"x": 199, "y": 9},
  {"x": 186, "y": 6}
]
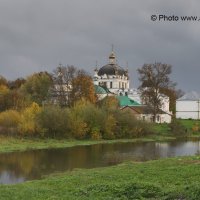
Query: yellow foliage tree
[
  {"x": 109, "y": 127},
  {"x": 83, "y": 88},
  {"x": 78, "y": 126},
  {"x": 27, "y": 125},
  {"x": 9, "y": 119},
  {"x": 3, "y": 89}
]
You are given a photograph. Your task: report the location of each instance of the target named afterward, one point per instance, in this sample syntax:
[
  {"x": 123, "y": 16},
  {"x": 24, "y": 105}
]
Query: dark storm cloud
[{"x": 36, "y": 35}]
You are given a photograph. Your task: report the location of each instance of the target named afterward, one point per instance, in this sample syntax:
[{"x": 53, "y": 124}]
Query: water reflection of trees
[{"x": 35, "y": 164}]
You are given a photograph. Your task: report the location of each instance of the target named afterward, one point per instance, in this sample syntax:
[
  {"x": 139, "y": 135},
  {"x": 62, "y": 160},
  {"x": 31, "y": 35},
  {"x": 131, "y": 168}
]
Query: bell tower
[{"x": 112, "y": 57}]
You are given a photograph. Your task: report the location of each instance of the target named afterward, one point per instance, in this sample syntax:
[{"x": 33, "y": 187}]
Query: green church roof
[
  {"x": 99, "y": 90},
  {"x": 126, "y": 101}
]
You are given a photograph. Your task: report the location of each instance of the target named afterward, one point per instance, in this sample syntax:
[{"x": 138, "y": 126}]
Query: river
[{"x": 18, "y": 167}]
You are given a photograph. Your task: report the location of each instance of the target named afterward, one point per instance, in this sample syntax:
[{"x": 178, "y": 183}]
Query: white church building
[{"x": 115, "y": 80}]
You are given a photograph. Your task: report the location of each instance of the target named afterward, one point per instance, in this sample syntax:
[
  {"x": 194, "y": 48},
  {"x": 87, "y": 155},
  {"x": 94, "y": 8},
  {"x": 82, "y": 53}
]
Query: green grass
[
  {"x": 10, "y": 144},
  {"x": 175, "y": 178},
  {"x": 190, "y": 124},
  {"x": 162, "y": 129}
]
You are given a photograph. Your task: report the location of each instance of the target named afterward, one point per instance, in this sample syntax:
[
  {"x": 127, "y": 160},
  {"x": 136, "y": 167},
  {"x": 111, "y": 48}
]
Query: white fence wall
[{"x": 187, "y": 109}]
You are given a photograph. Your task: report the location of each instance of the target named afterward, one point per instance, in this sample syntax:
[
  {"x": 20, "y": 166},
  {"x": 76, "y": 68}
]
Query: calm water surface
[{"x": 22, "y": 166}]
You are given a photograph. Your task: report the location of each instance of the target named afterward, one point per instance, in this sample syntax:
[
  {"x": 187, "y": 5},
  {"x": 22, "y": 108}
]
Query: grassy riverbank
[
  {"x": 9, "y": 144},
  {"x": 162, "y": 133},
  {"x": 175, "y": 178}
]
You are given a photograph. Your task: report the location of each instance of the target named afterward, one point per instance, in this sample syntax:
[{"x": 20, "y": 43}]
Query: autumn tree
[
  {"x": 10, "y": 95},
  {"x": 4, "y": 91},
  {"x": 109, "y": 103},
  {"x": 9, "y": 121},
  {"x": 3, "y": 81},
  {"x": 37, "y": 87},
  {"x": 154, "y": 78},
  {"x": 16, "y": 84},
  {"x": 82, "y": 88},
  {"x": 27, "y": 124}
]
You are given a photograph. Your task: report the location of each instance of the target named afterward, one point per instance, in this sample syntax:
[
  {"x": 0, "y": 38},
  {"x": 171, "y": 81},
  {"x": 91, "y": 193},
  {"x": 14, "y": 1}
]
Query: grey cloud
[{"x": 36, "y": 35}]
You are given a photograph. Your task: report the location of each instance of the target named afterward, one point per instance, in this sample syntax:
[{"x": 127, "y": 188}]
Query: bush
[
  {"x": 177, "y": 128},
  {"x": 78, "y": 128},
  {"x": 28, "y": 125},
  {"x": 9, "y": 120},
  {"x": 109, "y": 127},
  {"x": 93, "y": 117},
  {"x": 95, "y": 134},
  {"x": 128, "y": 126},
  {"x": 53, "y": 121}
]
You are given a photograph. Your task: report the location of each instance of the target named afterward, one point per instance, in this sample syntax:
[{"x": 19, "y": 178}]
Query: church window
[
  {"x": 158, "y": 118},
  {"x": 111, "y": 85}
]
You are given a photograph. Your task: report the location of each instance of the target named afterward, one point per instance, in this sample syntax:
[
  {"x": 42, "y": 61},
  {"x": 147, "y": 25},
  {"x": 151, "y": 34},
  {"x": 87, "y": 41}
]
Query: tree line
[
  {"x": 64, "y": 104},
  {"x": 63, "y": 87},
  {"x": 84, "y": 120}
]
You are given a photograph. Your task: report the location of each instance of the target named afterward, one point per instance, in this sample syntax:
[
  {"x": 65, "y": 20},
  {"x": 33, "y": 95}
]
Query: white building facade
[{"x": 188, "y": 106}]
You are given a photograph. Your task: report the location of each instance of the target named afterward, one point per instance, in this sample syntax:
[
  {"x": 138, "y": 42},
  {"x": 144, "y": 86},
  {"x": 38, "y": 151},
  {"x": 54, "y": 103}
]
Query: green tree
[
  {"x": 53, "y": 121},
  {"x": 37, "y": 87},
  {"x": 93, "y": 116}
]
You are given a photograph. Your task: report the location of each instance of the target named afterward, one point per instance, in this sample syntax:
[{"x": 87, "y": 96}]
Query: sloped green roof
[
  {"x": 99, "y": 90},
  {"x": 126, "y": 101}
]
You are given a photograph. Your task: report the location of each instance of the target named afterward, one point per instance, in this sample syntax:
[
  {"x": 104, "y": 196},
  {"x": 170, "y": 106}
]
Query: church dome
[{"x": 111, "y": 69}]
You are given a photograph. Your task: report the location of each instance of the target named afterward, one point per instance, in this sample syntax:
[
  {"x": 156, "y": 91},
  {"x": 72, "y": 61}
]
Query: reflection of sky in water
[
  {"x": 18, "y": 167},
  {"x": 181, "y": 149},
  {"x": 7, "y": 178}
]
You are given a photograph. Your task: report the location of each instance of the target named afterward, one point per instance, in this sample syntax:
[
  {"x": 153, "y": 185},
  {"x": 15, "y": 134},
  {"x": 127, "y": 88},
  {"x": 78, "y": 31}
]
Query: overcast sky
[{"x": 37, "y": 35}]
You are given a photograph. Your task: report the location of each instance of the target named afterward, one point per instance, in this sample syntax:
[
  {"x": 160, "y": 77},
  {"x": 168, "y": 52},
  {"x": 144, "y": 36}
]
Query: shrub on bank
[
  {"x": 82, "y": 121},
  {"x": 9, "y": 120},
  {"x": 177, "y": 128},
  {"x": 27, "y": 125},
  {"x": 53, "y": 121},
  {"x": 128, "y": 126}
]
